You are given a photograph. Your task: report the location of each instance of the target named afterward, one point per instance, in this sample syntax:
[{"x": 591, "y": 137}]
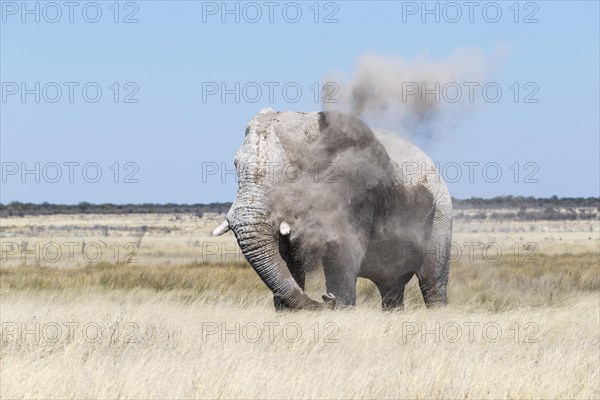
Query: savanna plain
[{"x": 151, "y": 306}]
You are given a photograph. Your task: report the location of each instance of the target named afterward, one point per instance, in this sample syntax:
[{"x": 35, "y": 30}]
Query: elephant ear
[
  {"x": 339, "y": 132},
  {"x": 352, "y": 146},
  {"x": 297, "y": 132}
]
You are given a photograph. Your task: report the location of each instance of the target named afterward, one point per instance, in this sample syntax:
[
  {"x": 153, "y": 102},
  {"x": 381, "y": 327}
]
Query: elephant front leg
[{"x": 341, "y": 273}]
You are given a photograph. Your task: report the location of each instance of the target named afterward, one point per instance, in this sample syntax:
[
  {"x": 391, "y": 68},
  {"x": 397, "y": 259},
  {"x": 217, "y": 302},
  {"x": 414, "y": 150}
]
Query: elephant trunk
[{"x": 251, "y": 224}]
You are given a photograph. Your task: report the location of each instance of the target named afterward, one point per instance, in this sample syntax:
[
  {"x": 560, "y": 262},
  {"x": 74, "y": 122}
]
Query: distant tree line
[
  {"x": 519, "y": 207},
  {"x": 526, "y": 202},
  {"x": 16, "y": 208}
]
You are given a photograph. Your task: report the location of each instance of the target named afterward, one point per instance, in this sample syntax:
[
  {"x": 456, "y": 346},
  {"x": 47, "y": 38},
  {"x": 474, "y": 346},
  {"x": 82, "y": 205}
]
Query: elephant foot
[
  {"x": 436, "y": 304},
  {"x": 330, "y": 301}
]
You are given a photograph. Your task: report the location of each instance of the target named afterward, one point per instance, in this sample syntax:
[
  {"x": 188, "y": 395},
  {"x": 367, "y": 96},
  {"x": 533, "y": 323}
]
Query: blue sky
[{"x": 161, "y": 144}]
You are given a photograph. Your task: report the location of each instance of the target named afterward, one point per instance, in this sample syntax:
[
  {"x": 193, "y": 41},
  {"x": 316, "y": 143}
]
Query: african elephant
[{"x": 323, "y": 187}]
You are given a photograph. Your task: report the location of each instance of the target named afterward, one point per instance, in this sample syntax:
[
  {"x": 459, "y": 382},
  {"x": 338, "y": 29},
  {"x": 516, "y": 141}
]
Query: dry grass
[
  {"x": 476, "y": 285},
  {"x": 189, "y": 330},
  {"x": 364, "y": 353}
]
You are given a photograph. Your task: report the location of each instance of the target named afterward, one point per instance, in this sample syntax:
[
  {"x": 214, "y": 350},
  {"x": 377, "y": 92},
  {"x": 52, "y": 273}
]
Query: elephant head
[
  {"x": 258, "y": 163},
  {"x": 257, "y": 216}
]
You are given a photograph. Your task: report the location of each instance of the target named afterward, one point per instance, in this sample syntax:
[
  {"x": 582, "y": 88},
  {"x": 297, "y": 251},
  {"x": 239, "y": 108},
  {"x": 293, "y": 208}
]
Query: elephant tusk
[
  {"x": 284, "y": 228},
  {"x": 221, "y": 229}
]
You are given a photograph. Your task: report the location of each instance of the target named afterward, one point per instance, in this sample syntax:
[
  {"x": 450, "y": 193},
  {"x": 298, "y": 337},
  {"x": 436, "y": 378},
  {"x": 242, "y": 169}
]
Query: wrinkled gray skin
[{"x": 383, "y": 214}]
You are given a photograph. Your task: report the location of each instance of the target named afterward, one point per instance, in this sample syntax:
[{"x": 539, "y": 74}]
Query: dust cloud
[{"x": 419, "y": 98}]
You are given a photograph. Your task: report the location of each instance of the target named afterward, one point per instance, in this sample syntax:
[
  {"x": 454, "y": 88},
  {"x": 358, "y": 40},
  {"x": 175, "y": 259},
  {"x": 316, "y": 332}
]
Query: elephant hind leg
[
  {"x": 392, "y": 296},
  {"x": 433, "y": 275},
  {"x": 435, "y": 266},
  {"x": 433, "y": 293}
]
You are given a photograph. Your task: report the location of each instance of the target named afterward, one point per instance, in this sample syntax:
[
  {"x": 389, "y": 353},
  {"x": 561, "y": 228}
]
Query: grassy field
[{"x": 190, "y": 319}]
